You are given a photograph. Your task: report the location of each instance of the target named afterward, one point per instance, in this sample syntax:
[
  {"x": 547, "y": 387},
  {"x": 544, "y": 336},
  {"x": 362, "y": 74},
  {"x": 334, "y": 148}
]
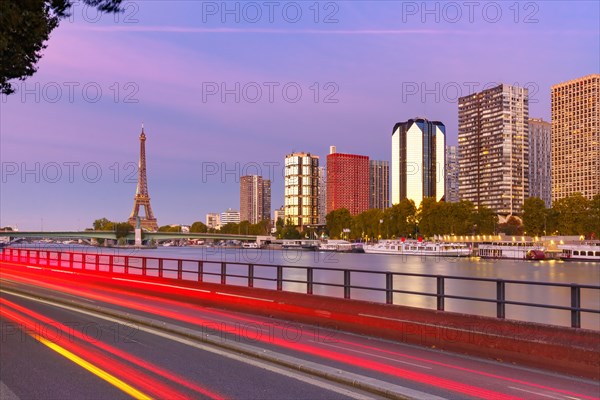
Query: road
[{"x": 69, "y": 336}]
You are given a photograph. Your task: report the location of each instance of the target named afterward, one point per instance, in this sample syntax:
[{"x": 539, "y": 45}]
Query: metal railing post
[
  {"x": 160, "y": 268},
  {"x": 389, "y": 288},
  {"x": 223, "y": 273},
  {"x": 309, "y": 280},
  {"x": 144, "y": 270},
  {"x": 500, "y": 299},
  {"x": 97, "y": 262},
  {"x": 126, "y": 265},
  {"x": 200, "y": 271},
  {"x": 346, "y": 283},
  {"x": 440, "y": 293},
  {"x": 279, "y": 277},
  {"x": 111, "y": 263},
  {"x": 71, "y": 260},
  {"x": 179, "y": 270},
  {"x": 250, "y": 275},
  {"x": 575, "y": 305}
]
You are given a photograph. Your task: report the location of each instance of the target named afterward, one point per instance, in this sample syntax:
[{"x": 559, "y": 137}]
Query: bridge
[
  {"x": 154, "y": 327},
  {"x": 131, "y": 236}
]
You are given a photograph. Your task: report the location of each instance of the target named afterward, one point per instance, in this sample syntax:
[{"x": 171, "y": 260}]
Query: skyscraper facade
[
  {"x": 576, "y": 137},
  {"x": 418, "y": 160},
  {"x": 540, "y": 160},
  {"x": 347, "y": 182},
  {"x": 255, "y": 198},
  {"x": 322, "y": 196},
  {"x": 301, "y": 183},
  {"x": 452, "y": 174},
  {"x": 266, "y": 205},
  {"x": 493, "y": 148},
  {"x": 379, "y": 184}
]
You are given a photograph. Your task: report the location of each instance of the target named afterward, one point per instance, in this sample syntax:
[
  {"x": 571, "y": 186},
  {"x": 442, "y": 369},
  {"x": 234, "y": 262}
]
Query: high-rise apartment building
[
  {"x": 255, "y": 198},
  {"x": 379, "y": 184},
  {"x": 230, "y": 217},
  {"x": 493, "y": 148},
  {"x": 540, "y": 160},
  {"x": 347, "y": 182},
  {"x": 266, "y": 214},
  {"x": 213, "y": 220},
  {"x": 301, "y": 189},
  {"x": 576, "y": 137},
  {"x": 418, "y": 160},
  {"x": 322, "y": 196},
  {"x": 452, "y": 172}
]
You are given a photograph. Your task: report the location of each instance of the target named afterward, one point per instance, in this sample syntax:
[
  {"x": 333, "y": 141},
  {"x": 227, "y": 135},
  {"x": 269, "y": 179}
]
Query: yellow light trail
[{"x": 93, "y": 369}]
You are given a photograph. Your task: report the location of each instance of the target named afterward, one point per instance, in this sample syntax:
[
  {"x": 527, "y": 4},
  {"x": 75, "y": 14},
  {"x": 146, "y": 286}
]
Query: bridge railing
[{"x": 225, "y": 272}]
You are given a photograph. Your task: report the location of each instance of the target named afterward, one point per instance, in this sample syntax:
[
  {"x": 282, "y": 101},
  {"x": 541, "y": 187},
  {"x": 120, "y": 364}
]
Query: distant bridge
[{"x": 131, "y": 236}]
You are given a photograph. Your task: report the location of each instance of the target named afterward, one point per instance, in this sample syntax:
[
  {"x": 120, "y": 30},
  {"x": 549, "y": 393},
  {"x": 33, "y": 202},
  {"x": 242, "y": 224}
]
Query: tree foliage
[
  {"x": 573, "y": 215},
  {"x": 120, "y": 228},
  {"x": 534, "y": 216},
  {"x": 103, "y": 224},
  {"x": 512, "y": 227},
  {"x": 367, "y": 224},
  {"x": 198, "y": 227},
  {"x": 484, "y": 221},
  {"x": 169, "y": 228},
  {"x": 25, "y": 26},
  {"x": 289, "y": 231},
  {"x": 246, "y": 228},
  {"x": 400, "y": 219},
  {"x": 337, "y": 221}
]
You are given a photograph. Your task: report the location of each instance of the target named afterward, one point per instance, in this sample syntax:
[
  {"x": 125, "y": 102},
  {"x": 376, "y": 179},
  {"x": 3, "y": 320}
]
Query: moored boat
[
  {"x": 512, "y": 249},
  {"x": 335, "y": 245},
  {"x": 589, "y": 251},
  {"x": 418, "y": 248},
  {"x": 298, "y": 244}
]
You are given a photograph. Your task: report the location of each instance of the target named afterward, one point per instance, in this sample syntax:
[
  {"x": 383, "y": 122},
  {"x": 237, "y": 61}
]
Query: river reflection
[{"x": 540, "y": 271}]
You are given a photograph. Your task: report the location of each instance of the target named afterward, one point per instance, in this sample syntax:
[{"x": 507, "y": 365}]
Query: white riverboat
[
  {"x": 580, "y": 251},
  {"x": 516, "y": 250},
  {"x": 416, "y": 248},
  {"x": 250, "y": 245},
  {"x": 297, "y": 244},
  {"x": 335, "y": 245}
]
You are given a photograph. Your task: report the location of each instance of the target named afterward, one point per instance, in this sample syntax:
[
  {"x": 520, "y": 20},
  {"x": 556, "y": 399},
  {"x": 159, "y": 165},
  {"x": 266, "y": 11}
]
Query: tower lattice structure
[{"x": 142, "y": 198}]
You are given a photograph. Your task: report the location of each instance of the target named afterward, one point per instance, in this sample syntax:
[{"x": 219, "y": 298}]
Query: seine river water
[{"x": 554, "y": 271}]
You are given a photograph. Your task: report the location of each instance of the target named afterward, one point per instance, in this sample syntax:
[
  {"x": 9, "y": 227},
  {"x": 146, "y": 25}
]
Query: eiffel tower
[{"x": 142, "y": 198}]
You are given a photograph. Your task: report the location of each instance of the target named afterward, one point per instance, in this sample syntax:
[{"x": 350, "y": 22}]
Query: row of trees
[
  {"x": 572, "y": 215},
  {"x": 406, "y": 220},
  {"x": 121, "y": 228},
  {"x": 242, "y": 228}
]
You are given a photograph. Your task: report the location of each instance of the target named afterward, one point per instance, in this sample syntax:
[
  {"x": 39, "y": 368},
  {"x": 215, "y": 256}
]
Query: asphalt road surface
[{"x": 65, "y": 336}]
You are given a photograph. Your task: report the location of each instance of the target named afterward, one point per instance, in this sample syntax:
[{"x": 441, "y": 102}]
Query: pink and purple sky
[{"x": 298, "y": 77}]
